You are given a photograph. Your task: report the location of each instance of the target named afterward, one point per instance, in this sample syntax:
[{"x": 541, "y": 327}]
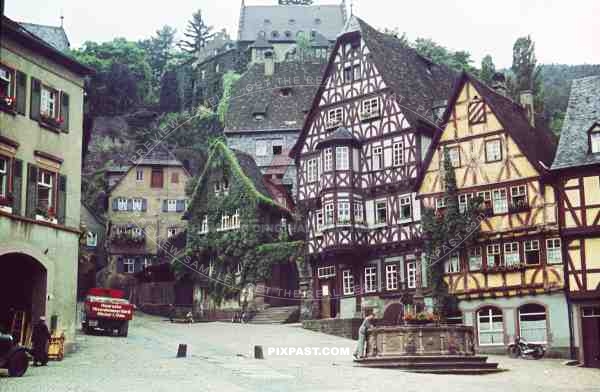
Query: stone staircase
[
  {"x": 277, "y": 315},
  {"x": 442, "y": 364}
]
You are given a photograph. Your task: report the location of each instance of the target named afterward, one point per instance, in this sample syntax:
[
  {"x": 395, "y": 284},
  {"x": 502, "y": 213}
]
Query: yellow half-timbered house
[
  {"x": 510, "y": 281},
  {"x": 577, "y": 171}
]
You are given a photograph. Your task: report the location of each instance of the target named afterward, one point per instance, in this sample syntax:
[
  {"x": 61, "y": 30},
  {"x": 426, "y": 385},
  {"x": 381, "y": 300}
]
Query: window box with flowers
[
  {"x": 6, "y": 203},
  {"x": 46, "y": 215},
  {"x": 129, "y": 236},
  {"x": 421, "y": 318},
  {"x": 48, "y": 120},
  {"x": 7, "y": 103}
]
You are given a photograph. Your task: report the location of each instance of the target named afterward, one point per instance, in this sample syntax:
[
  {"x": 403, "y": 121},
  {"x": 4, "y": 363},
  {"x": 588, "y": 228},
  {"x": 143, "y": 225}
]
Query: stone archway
[{"x": 23, "y": 284}]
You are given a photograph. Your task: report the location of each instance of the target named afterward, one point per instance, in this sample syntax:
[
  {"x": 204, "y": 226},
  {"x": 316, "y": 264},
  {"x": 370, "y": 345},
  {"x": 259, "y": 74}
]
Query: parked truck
[{"x": 108, "y": 310}]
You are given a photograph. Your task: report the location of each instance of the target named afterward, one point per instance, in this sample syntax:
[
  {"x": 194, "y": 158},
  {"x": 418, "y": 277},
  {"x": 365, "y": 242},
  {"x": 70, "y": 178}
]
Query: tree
[
  {"x": 488, "y": 69},
  {"x": 159, "y": 50},
  {"x": 527, "y": 74},
  {"x": 295, "y": 2},
  {"x": 197, "y": 34}
]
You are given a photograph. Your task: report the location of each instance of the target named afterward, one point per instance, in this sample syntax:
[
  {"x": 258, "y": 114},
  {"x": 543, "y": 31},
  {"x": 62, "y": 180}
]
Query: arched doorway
[
  {"x": 22, "y": 288},
  {"x": 283, "y": 283}
]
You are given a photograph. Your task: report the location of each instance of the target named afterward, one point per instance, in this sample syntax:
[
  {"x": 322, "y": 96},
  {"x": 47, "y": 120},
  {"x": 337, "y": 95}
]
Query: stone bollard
[
  {"x": 258, "y": 352},
  {"x": 182, "y": 351}
]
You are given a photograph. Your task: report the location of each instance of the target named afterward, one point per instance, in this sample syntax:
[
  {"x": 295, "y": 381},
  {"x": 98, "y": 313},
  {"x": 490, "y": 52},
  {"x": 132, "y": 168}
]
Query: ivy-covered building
[{"x": 237, "y": 234}]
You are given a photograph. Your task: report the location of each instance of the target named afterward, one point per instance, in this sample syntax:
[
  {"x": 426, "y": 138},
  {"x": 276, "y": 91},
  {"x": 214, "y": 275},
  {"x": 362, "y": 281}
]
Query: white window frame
[
  {"x": 342, "y": 158},
  {"x": 500, "y": 201},
  {"x": 4, "y": 175},
  {"x": 49, "y": 101},
  {"x": 371, "y": 279},
  {"x": 452, "y": 265},
  {"x": 46, "y": 180},
  {"x": 531, "y": 246},
  {"x": 328, "y": 159},
  {"x": 486, "y": 198},
  {"x": 171, "y": 232},
  {"x": 335, "y": 117},
  {"x": 595, "y": 142},
  {"x": 440, "y": 203},
  {"x": 137, "y": 204},
  {"x": 404, "y": 202},
  {"x": 411, "y": 274},
  {"x": 492, "y": 330},
  {"x": 121, "y": 204},
  {"x": 493, "y": 150},
  {"x": 343, "y": 212},
  {"x": 523, "y": 331},
  {"x": 204, "y": 225},
  {"x": 91, "y": 239},
  {"x": 328, "y": 214},
  {"x": 398, "y": 154},
  {"x": 359, "y": 212},
  {"x": 348, "y": 282},
  {"x": 554, "y": 252},
  {"x": 235, "y": 220},
  {"x": 377, "y": 158},
  {"x": 494, "y": 250},
  {"x": 463, "y": 201},
  {"x": 377, "y": 204},
  {"x": 370, "y": 108},
  {"x": 519, "y": 191},
  {"x": 129, "y": 265},
  {"x": 326, "y": 272},
  {"x": 454, "y": 154},
  {"x": 261, "y": 148},
  {"x": 312, "y": 170},
  {"x": 512, "y": 256},
  {"x": 391, "y": 276},
  {"x": 171, "y": 205},
  {"x": 475, "y": 258},
  {"x": 319, "y": 222}
]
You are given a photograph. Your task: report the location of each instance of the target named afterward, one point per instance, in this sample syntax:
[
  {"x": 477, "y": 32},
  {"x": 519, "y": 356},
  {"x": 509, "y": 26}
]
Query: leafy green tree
[
  {"x": 159, "y": 50},
  {"x": 196, "y": 34},
  {"x": 488, "y": 69},
  {"x": 527, "y": 74},
  {"x": 457, "y": 60}
]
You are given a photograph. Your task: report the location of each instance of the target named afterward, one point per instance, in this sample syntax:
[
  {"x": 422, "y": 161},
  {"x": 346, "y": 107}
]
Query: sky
[{"x": 561, "y": 29}]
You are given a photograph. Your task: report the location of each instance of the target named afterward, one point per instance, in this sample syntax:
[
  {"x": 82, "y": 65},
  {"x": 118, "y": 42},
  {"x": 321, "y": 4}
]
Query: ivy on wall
[{"x": 229, "y": 79}]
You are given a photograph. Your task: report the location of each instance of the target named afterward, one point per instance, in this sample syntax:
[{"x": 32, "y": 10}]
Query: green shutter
[
  {"x": 64, "y": 111},
  {"x": 21, "y": 93},
  {"x": 31, "y": 190},
  {"x": 17, "y": 185},
  {"x": 62, "y": 199},
  {"x": 36, "y": 97}
]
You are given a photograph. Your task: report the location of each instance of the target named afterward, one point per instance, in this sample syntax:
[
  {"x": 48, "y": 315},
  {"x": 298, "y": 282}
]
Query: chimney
[
  {"x": 526, "y": 100},
  {"x": 269, "y": 63},
  {"x": 499, "y": 84}
]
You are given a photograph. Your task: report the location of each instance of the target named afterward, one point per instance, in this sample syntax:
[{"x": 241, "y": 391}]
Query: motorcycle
[{"x": 522, "y": 348}]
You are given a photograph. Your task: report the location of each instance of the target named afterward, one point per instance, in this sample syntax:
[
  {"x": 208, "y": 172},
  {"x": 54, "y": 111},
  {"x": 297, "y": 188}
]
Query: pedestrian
[
  {"x": 362, "y": 336},
  {"x": 40, "y": 340}
]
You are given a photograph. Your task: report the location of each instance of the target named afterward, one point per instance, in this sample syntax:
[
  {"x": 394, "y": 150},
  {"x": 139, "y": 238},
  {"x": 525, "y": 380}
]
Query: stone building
[
  {"x": 41, "y": 112},
  {"x": 92, "y": 251},
  {"x": 146, "y": 201},
  {"x": 576, "y": 169}
]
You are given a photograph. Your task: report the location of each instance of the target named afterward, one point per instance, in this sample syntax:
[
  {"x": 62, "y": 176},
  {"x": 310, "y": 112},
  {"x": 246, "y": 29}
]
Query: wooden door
[
  {"x": 590, "y": 325},
  {"x": 325, "y": 288}
]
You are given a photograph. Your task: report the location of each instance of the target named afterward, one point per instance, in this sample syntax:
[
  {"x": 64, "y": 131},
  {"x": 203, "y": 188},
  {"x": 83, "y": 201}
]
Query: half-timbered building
[
  {"x": 358, "y": 158},
  {"x": 510, "y": 281},
  {"x": 577, "y": 170}
]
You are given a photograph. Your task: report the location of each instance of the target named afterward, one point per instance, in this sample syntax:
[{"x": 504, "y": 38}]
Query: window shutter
[
  {"x": 62, "y": 199},
  {"x": 21, "y": 93},
  {"x": 36, "y": 92},
  {"x": 180, "y": 205},
  {"x": 164, "y": 208},
  {"x": 115, "y": 204},
  {"x": 120, "y": 266},
  {"x": 17, "y": 185},
  {"x": 31, "y": 190},
  {"x": 144, "y": 205},
  {"x": 64, "y": 111},
  {"x": 129, "y": 204}
]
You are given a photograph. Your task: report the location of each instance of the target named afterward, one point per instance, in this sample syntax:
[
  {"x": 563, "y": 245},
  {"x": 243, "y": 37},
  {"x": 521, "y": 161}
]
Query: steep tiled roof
[
  {"x": 254, "y": 93},
  {"x": 327, "y": 19},
  {"x": 582, "y": 113},
  {"x": 280, "y": 164},
  {"x": 53, "y": 35}
]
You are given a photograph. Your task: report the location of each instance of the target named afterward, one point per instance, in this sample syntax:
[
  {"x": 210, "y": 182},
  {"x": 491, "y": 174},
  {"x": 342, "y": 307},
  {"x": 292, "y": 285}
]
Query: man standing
[
  {"x": 362, "y": 335},
  {"x": 40, "y": 340}
]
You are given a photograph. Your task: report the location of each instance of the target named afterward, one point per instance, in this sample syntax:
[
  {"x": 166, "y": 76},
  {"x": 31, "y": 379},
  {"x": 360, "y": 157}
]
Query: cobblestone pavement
[{"x": 220, "y": 359}]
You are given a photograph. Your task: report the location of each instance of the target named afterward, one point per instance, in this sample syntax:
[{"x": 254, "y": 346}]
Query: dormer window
[
  {"x": 259, "y": 117},
  {"x": 288, "y": 34},
  {"x": 274, "y": 34},
  {"x": 285, "y": 92},
  {"x": 595, "y": 139},
  {"x": 292, "y": 21}
]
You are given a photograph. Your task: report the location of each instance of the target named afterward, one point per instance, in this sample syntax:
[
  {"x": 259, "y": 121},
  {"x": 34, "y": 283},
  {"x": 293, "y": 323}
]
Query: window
[
  {"x": 319, "y": 219},
  {"x": 476, "y": 111},
  {"x": 261, "y": 148},
  {"x": 277, "y": 148},
  {"x": 454, "y": 155},
  {"x": 171, "y": 205},
  {"x": 45, "y": 190},
  {"x": 235, "y": 220},
  {"x": 370, "y": 279},
  {"x": 356, "y": 72},
  {"x": 156, "y": 181},
  {"x": 335, "y": 117},
  {"x": 463, "y": 201},
  {"x": 203, "y": 74},
  {"x": 91, "y": 239},
  {"x": 553, "y": 252},
  {"x": 370, "y": 108},
  {"x": 500, "y": 201},
  {"x": 348, "y": 282},
  {"x": 174, "y": 178},
  {"x": 342, "y": 161},
  {"x": 137, "y": 232},
  {"x": 380, "y": 212},
  {"x": 440, "y": 203},
  {"x": 171, "y": 232},
  {"x": 348, "y": 74},
  {"x": 217, "y": 67},
  {"x": 377, "y": 158},
  {"x": 204, "y": 226},
  {"x": 328, "y": 159},
  {"x": 493, "y": 150},
  {"x": 518, "y": 196},
  {"x": 139, "y": 174},
  {"x": 391, "y": 277},
  {"x": 486, "y": 197},
  {"x": 411, "y": 274},
  {"x": 137, "y": 204},
  {"x": 329, "y": 214},
  {"x": 6, "y": 82},
  {"x": 225, "y": 185},
  {"x": 398, "y": 154},
  {"x": 532, "y": 252},
  {"x": 494, "y": 257},
  {"x": 326, "y": 272},
  {"x": 217, "y": 187},
  {"x": 405, "y": 208},
  {"x": 4, "y": 162},
  {"x": 490, "y": 325},
  {"x": 343, "y": 212},
  {"x": 129, "y": 265},
  {"x": 122, "y": 204},
  {"x": 312, "y": 170},
  {"x": 532, "y": 323},
  {"x": 595, "y": 142},
  {"x": 225, "y": 222},
  {"x": 49, "y": 102},
  {"x": 359, "y": 213},
  {"x": 453, "y": 263},
  {"x": 475, "y": 259},
  {"x": 511, "y": 253}
]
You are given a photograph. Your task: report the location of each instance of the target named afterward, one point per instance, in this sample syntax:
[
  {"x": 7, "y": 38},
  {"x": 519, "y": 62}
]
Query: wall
[{"x": 346, "y": 328}]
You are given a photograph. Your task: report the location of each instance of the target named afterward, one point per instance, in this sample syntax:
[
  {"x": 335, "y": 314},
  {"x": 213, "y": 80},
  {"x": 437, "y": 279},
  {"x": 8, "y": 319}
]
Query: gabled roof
[
  {"x": 417, "y": 82},
  {"x": 340, "y": 136},
  {"x": 279, "y": 164},
  {"x": 280, "y": 112},
  {"x": 327, "y": 19},
  {"x": 54, "y": 35},
  {"x": 582, "y": 113},
  {"x": 244, "y": 168}
]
